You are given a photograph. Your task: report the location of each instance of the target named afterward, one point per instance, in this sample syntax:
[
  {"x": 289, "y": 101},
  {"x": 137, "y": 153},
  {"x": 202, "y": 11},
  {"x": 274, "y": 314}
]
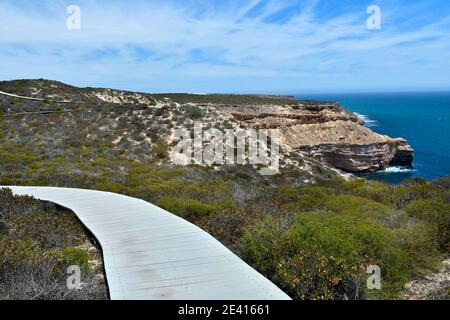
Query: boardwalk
[
  {"x": 151, "y": 254},
  {"x": 28, "y": 98}
]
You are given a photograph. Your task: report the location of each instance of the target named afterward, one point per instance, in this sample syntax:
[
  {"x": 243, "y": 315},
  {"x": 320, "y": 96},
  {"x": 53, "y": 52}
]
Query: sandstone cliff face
[
  {"x": 318, "y": 132},
  {"x": 328, "y": 133}
]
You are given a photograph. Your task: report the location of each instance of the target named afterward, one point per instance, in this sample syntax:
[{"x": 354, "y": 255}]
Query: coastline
[{"x": 423, "y": 118}]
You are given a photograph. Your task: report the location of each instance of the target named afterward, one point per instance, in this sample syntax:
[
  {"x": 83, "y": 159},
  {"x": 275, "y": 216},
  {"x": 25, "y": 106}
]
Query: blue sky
[{"x": 258, "y": 46}]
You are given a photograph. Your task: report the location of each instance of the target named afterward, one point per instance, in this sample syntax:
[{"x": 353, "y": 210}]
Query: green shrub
[
  {"x": 400, "y": 196},
  {"x": 362, "y": 208},
  {"x": 310, "y": 199},
  {"x": 109, "y": 186},
  {"x": 193, "y": 112},
  {"x": 418, "y": 240},
  {"x": 229, "y": 225},
  {"x": 353, "y": 184},
  {"x": 187, "y": 208},
  {"x": 76, "y": 256},
  {"x": 160, "y": 150},
  {"x": 260, "y": 245},
  {"x": 310, "y": 275},
  {"x": 322, "y": 255},
  {"x": 14, "y": 252},
  {"x": 436, "y": 212},
  {"x": 37, "y": 248},
  {"x": 414, "y": 182}
]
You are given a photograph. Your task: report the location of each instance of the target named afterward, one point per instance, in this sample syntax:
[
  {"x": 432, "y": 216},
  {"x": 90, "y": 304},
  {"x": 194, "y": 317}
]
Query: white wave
[
  {"x": 368, "y": 122},
  {"x": 398, "y": 170}
]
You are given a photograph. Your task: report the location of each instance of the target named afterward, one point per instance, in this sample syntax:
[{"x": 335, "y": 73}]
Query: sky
[{"x": 240, "y": 46}]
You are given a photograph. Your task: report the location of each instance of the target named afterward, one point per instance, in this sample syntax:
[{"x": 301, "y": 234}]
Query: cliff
[
  {"x": 313, "y": 133},
  {"x": 328, "y": 133}
]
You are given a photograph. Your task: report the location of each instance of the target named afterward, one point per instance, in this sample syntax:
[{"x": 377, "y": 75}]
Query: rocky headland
[
  {"x": 328, "y": 133},
  {"x": 312, "y": 132}
]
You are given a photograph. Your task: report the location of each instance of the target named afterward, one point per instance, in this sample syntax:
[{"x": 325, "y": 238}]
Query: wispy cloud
[{"x": 287, "y": 46}]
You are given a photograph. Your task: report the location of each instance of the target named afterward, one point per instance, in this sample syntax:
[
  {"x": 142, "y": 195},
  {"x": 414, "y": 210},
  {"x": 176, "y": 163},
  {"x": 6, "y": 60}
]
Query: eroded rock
[{"x": 328, "y": 133}]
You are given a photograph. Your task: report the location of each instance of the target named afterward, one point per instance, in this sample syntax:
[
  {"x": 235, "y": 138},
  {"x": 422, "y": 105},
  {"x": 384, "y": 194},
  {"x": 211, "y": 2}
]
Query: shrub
[
  {"x": 414, "y": 182},
  {"x": 436, "y": 212},
  {"x": 442, "y": 183},
  {"x": 193, "y": 112},
  {"x": 36, "y": 249},
  {"x": 310, "y": 199},
  {"x": 109, "y": 186},
  {"x": 187, "y": 208},
  {"x": 15, "y": 252},
  {"x": 401, "y": 195},
  {"x": 160, "y": 150},
  {"x": 418, "y": 241},
  {"x": 308, "y": 275},
  {"x": 229, "y": 225},
  {"x": 353, "y": 184},
  {"x": 322, "y": 256},
  {"x": 3, "y": 227},
  {"x": 260, "y": 245},
  {"x": 76, "y": 256},
  {"x": 362, "y": 208}
]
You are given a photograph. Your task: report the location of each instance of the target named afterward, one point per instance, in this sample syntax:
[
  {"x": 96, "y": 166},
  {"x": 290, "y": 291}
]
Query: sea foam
[
  {"x": 398, "y": 170},
  {"x": 368, "y": 122}
]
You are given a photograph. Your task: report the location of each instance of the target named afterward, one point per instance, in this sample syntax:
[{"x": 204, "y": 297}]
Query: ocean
[{"x": 421, "y": 118}]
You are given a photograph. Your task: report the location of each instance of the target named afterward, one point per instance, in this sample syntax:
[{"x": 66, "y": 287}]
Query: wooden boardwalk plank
[{"x": 152, "y": 254}]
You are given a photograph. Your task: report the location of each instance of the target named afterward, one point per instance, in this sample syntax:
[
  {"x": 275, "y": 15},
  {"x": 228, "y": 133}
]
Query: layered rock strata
[{"x": 328, "y": 133}]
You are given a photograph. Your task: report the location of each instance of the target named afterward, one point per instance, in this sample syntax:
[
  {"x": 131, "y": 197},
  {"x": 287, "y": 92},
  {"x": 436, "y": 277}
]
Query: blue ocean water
[{"x": 421, "y": 118}]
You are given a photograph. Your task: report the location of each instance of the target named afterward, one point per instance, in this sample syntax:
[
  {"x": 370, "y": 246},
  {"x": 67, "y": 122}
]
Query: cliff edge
[
  {"x": 321, "y": 133},
  {"x": 328, "y": 133}
]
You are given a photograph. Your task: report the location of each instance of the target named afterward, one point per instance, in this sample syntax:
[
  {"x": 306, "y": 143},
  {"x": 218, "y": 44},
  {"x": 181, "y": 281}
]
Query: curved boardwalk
[
  {"x": 151, "y": 254},
  {"x": 27, "y": 98}
]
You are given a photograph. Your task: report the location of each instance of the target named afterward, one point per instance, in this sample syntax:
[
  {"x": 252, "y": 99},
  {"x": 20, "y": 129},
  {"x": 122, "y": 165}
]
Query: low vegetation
[
  {"x": 239, "y": 99},
  {"x": 38, "y": 242},
  {"x": 315, "y": 241}
]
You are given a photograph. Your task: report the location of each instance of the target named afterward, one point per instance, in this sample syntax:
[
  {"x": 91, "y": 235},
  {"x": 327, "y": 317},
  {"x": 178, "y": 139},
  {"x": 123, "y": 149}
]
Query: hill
[{"x": 312, "y": 228}]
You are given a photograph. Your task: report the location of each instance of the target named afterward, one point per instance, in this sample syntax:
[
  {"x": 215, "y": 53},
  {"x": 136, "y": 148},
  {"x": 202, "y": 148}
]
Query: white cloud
[{"x": 240, "y": 52}]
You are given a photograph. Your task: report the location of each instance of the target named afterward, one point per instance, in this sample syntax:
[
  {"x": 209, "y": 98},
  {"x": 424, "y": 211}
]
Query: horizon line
[{"x": 307, "y": 92}]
